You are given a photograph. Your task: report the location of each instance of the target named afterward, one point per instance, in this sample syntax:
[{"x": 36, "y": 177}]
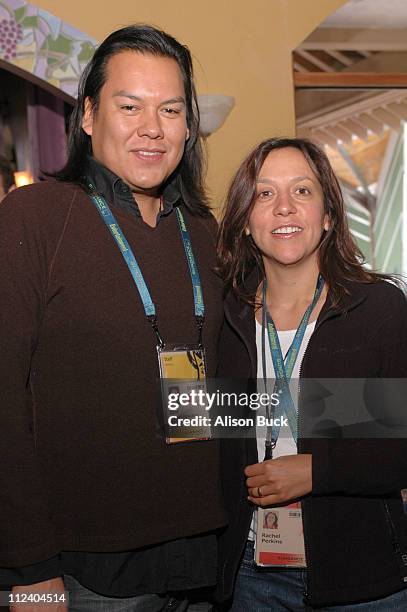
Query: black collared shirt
[
  {"x": 118, "y": 193},
  {"x": 178, "y": 565}
]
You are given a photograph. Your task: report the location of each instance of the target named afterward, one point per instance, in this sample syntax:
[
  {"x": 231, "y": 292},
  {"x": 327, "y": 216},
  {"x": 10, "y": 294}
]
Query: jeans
[
  {"x": 82, "y": 599},
  {"x": 263, "y": 590}
]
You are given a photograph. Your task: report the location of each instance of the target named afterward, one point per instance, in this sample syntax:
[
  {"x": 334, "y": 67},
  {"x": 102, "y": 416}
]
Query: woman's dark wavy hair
[
  {"x": 340, "y": 260},
  {"x": 146, "y": 39}
]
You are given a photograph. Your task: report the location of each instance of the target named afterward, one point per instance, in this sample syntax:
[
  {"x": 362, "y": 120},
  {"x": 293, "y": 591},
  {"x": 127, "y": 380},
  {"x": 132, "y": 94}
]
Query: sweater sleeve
[
  {"x": 375, "y": 466},
  {"x": 26, "y": 529}
]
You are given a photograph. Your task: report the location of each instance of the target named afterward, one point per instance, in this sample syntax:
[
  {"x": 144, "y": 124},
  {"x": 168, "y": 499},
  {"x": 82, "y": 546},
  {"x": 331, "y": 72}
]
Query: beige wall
[{"x": 241, "y": 47}]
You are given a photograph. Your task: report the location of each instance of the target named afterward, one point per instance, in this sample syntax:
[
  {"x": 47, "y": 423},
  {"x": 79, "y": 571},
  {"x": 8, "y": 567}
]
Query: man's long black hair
[{"x": 188, "y": 176}]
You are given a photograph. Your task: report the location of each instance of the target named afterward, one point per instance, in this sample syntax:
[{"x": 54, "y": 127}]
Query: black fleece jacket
[{"x": 355, "y": 529}]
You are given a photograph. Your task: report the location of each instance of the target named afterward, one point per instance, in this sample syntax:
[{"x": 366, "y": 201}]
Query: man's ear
[{"x": 87, "y": 119}]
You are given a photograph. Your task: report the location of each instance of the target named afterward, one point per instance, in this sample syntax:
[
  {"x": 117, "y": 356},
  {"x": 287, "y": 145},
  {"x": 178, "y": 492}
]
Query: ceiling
[
  {"x": 346, "y": 43},
  {"x": 363, "y": 36},
  {"x": 365, "y": 116},
  {"x": 381, "y": 14},
  {"x": 367, "y": 156}
]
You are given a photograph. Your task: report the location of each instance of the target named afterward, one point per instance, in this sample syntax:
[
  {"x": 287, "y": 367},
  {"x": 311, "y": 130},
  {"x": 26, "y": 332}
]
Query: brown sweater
[{"x": 82, "y": 466}]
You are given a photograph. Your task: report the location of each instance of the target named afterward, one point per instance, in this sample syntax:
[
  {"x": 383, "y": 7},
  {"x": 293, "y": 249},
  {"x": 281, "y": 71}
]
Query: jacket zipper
[
  {"x": 392, "y": 529},
  {"x": 299, "y": 421},
  {"x": 401, "y": 557}
]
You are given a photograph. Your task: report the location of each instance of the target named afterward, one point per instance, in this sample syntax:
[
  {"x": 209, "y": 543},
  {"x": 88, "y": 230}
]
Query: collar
[
  {"x": 355, "y": 294},
  {"x": 119, "y": 194},
  {"x": 240, "y": 315}
]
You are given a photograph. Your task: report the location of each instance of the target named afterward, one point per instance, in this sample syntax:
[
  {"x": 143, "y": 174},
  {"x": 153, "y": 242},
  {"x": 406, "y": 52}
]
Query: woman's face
[
  {"x": 271, "y": 519},
  {"x": 287, "y": 220}
]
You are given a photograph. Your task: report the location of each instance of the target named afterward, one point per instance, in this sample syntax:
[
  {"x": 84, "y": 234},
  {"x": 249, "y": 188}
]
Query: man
[
  {"x": 91, "y": 496},
  {"x": 6, "y": 177}
]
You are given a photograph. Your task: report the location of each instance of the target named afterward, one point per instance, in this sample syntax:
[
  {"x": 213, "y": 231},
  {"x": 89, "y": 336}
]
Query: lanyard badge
[
  {"x": 280, "y": 537},
  {"x": 279, "y": 531},
  {"x": 183, "y": 392},
  {"x": 182, "y": 367},
  {"x": 283, "y": 368}
]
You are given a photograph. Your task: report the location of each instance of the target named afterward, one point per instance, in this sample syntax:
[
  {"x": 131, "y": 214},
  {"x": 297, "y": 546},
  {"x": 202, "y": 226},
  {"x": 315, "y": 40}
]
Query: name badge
[
  {"x": 183, "y": 392},
  {"x": 280, "y": 537}
]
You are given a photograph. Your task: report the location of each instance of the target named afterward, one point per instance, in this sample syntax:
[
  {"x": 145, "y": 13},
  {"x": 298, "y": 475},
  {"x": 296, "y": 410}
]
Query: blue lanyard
[
  {"x": 193, "y": 270},
  {"x": 128, "y": 255},
  {"x": 283, "y": 368}
]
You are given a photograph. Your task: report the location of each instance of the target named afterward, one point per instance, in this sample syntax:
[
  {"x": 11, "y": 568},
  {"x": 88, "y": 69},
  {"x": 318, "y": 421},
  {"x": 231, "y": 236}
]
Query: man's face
[{"x": 139, "y": 128}]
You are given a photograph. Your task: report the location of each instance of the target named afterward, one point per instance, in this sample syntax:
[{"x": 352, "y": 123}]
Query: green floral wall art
[{"x": 40, "y": 43}]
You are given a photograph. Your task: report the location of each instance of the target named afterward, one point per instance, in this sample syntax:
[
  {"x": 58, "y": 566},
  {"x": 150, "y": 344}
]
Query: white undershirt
[{"x": 285, "y": 444}]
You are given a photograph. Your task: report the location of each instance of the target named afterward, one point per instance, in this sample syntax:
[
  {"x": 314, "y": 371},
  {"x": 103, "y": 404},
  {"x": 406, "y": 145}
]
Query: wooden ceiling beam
[
  {"x": 343, "y": 125},
  {"x": 399, "y": 109},
  {"x": 325, "y": 138},
  {"x": 354, "y": 80},
  {"x": 374, "y": 125},
  {"x": 352, "y": 110},
  {"x": 314, "y": 60},
  {"x": 299, "y": 67},
  {"x": 356, "y": 128},
  {"x": 339, "y": 133},
  {"x": 357, "y": 39},
  {"x": 340, "y": 57},
  {"x": 319, "y": 139},
  {"x": 387, "y": 118}
]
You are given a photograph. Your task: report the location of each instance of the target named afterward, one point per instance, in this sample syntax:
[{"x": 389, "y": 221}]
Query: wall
[{"x": 241, "y": 49}]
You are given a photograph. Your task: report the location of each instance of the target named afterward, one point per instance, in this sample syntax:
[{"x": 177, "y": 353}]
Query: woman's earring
[{"x": 247, "y": 231}]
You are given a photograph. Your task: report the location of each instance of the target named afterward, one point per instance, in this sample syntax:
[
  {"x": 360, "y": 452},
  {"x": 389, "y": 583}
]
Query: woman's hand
[{"x": 277, "y": 481}]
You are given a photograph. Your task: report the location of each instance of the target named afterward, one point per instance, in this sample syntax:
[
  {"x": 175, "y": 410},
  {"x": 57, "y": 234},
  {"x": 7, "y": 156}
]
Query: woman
[
  {"x": 270, "y": 520},
  {"x": 302, "y": 305}
]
